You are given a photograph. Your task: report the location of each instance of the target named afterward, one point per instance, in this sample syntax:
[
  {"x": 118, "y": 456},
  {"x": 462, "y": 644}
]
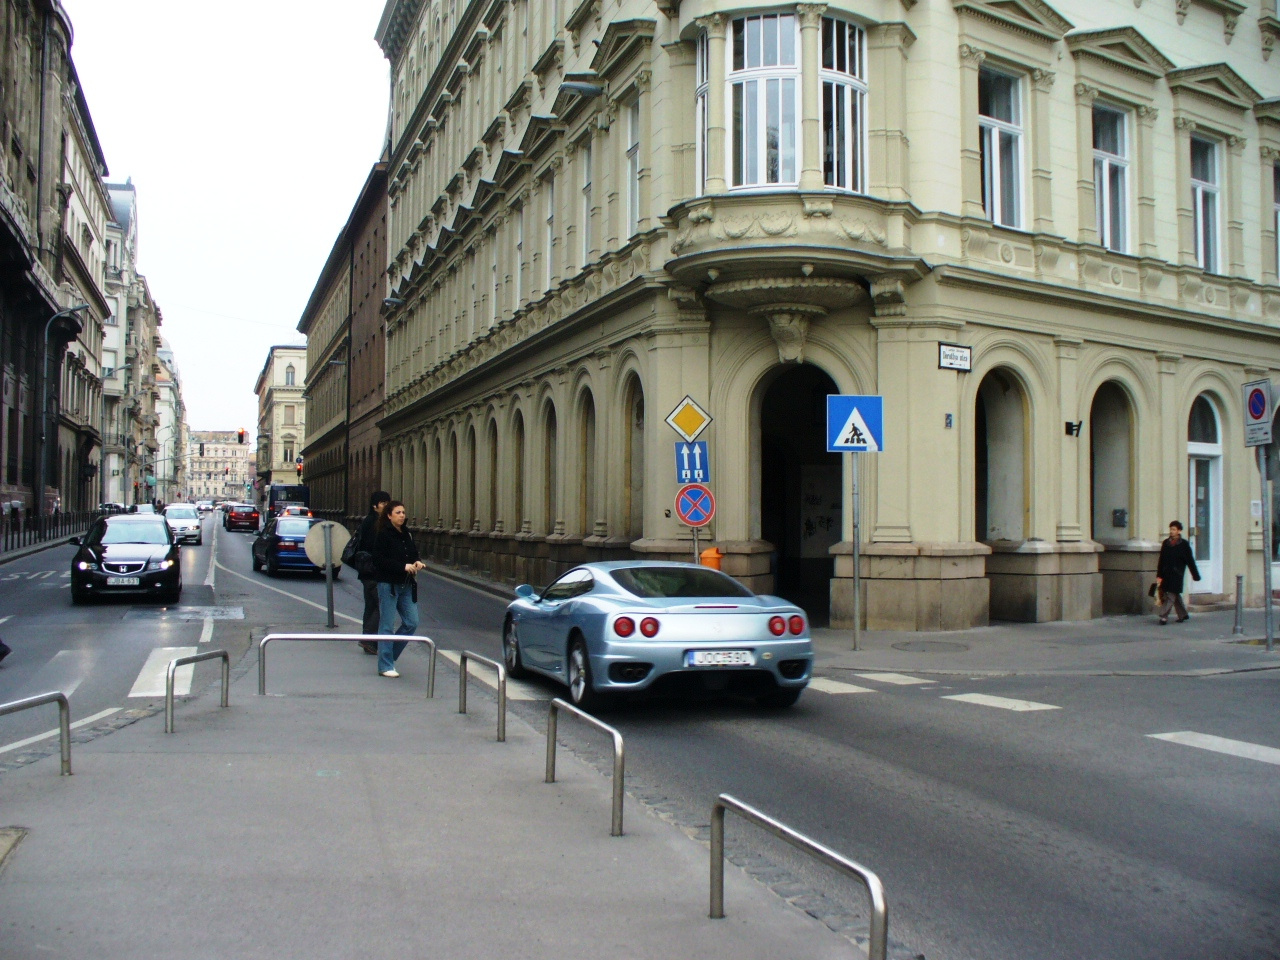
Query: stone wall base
[
  {"x": 1128, "y": 570},
  {"x": 913, "y": 586},
  {"x": 1035, "y": 581}
]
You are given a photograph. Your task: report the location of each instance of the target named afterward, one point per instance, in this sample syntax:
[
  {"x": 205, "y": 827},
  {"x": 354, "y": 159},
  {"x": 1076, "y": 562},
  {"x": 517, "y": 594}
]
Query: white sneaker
[{"x": 390, "y": 673}]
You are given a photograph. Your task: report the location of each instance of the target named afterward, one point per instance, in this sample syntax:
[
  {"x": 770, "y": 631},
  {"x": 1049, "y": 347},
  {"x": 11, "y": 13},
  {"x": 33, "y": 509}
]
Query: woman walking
[{"x": 395, "y": 564}]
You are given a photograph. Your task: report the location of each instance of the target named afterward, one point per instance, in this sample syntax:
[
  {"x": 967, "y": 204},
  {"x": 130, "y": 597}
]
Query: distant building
[
  {"x": 219, "y": 467},
  {"x": 281, "y": 415},
  {"x": 168, "y": 466}
]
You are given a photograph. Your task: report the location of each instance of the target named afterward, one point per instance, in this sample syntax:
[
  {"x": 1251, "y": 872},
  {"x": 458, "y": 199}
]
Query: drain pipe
[{"x": 1238, "y": 629}]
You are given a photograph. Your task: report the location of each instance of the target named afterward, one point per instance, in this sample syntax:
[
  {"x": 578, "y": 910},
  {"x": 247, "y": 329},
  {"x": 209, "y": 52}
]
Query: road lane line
[
  {"x": 6, "y": 619},
  {"x": 826, "y": 685},
  {"x": 286, "y": 593},
  {"x": 206, "y": 631},
  {"x": 1001, "y": 703},
  {"x": 1235, "y": 748},
  {"x": 898, "y": 679},
  {"x": 18, "y": 744},
  {"x": 151, "y": 677},
  {"x": 516, "y": 689},
  {"x": 64, "y": 671},
  {"x": 213, "y": 557}
]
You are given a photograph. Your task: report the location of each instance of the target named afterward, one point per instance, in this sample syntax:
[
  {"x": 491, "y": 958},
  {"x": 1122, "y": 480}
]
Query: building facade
[
  {"x": 598, "y": 209},
  {"x": 219, "y": 467},
  {"x": 281, "y": 415},
  {"x": 350, "y": 286},
  {"x": 168, "y": 465}
]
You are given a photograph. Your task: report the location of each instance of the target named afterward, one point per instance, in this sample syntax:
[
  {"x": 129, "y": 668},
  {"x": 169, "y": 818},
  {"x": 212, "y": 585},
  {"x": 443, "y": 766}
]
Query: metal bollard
[{"x": 1238, "y": 629}]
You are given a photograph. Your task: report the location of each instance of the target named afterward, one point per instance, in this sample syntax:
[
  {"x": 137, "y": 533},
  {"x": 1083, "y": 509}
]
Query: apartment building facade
[
  {"x": 281, "y": 415},
  {"x": 218, "y": 466}
]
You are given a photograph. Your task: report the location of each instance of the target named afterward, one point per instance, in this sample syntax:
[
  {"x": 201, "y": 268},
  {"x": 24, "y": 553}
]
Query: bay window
[
  {"x": 844, "y": 91},
  {"x": 1000, "y": 140},
  {"x": 1111, "y": 177},
  {"x": 1205, "y": 186},
  {"x": 764, "y": 97}
]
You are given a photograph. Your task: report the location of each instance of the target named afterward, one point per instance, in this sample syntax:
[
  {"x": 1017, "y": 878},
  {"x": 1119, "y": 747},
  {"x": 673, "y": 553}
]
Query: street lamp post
[{"x": 41, "y": 466}]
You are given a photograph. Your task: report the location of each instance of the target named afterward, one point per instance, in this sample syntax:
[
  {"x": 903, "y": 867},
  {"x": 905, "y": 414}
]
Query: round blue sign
[
  {"x": 695, "y": 505},
  {"x": 1257, "y": 404}
]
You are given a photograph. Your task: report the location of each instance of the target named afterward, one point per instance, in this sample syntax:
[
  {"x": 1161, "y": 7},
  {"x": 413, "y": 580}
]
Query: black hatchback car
[{"x": 130, "y": 554}]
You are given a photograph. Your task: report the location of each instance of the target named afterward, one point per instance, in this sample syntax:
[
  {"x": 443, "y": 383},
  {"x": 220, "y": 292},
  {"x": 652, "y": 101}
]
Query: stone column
[
  {"x": 1171, "y": 457},
  {"x": 810, "y": 99},
  {"x": 1183, "y": 128},
  {"x": 1233, "y": 191},
  {"x": 1041, "y": 149},
  {"x": 1071, "y": 452},
  {"x": 1086, "y": 204},
  {"x": 887, "y": 144},
  {"x": 648, "y": 150},
  {"x": 715, "y": 26},
  {"x": 970, "y": 147},
  {"x": 1145, "y": 182}
]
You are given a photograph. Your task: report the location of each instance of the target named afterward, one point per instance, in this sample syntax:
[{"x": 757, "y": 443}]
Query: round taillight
[
  {"x": 796, "y": 625},
  {"x": 624, "y": 626},
  {"x": 649, "y": 627},
  {"x": 777, "y": 626}
]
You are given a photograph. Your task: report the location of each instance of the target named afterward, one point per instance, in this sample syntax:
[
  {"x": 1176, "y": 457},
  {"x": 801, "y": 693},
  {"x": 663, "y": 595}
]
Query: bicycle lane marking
[{"x": 286, "y": 593}]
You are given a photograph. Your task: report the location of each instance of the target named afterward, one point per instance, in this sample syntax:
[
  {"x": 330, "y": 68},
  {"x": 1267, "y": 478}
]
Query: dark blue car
[{"x": 279, "y": 546}]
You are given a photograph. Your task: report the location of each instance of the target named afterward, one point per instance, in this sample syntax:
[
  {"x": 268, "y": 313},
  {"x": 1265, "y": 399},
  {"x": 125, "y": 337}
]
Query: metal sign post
[
  {"x": 325, "y": 541},
  {"x": 855, "y": 424},
  {"x": 328, "y": 572},
  {"x": 857, "y": 560},
  {"x": 1268, "y": 608},
  {"x": 1258, "y": 410}
]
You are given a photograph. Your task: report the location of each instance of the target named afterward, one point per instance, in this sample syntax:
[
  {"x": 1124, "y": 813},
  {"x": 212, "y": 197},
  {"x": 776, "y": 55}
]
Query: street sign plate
[
  {"x": 688, "y": 419},
  {"x": 695, "y": 506},
  {"x": 855, "y": 424},
  {"x": 1257, "y": 413},
  {"x": 692, "y": 462},
  {"x": 314, "y": 544}
]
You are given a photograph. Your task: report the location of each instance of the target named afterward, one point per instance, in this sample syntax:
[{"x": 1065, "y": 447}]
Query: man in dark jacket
[
  {"x": 365, "y": 537},
  {"x": 1175, "y": 559}
]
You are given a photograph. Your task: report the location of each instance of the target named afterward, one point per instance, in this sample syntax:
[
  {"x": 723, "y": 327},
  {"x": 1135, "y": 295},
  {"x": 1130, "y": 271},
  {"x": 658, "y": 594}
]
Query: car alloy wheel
[
  {"x": 511, "y": 651},
  {"x": 581, "y": 691}
]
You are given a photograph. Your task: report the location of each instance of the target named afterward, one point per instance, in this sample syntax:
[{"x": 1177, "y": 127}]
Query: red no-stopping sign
[{"x": 695, "y": 506}]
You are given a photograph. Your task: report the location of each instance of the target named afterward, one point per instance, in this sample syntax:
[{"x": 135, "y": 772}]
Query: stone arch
[
  {"x": 1002, "y": 456},
  {"x": 494, "y": 520},
  {"x": 472, "y": 518},
  {"x": 585, "y": 508},
  {"x": 549, "y": 506},
  {"x": 630, "y": 424},
  {"x": 1111, "y": 435},
  {"x": 519, "y": 494}
]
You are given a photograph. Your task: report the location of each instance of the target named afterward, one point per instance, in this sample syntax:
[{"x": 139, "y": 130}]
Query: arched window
[{"x": 289, "y": 376}]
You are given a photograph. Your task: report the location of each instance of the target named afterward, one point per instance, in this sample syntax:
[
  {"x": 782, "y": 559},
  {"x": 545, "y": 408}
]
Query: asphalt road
[{"x": 1003, "y": 835}]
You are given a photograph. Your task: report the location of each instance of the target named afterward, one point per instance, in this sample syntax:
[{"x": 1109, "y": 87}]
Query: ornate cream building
[{"x": 596, "y": 209}]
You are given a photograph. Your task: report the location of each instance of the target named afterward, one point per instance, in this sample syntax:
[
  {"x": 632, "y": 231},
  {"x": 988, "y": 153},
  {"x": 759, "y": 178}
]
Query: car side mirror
[
  {"x": 75, "y": 541},
  {"x": 526, "y": 592}
]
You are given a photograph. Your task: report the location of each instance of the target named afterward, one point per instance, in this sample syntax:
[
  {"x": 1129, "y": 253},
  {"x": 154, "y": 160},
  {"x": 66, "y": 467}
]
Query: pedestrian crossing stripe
[
  {"x": 1001, "y": 703},
  {"x": 1235, "y": 748},
  {"x": 897, "y": 679},
  {"x": 825, "y": 685},
  {"x": 516, "y": 689}
]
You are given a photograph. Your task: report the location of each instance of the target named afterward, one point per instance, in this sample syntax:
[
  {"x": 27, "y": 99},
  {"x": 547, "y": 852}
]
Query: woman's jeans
[{"x": 395, "y": 598}]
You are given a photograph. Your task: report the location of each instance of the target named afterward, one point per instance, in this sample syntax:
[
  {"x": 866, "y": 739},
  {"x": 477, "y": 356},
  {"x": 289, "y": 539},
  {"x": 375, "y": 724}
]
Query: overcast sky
[{"x": 248, "y": 127}]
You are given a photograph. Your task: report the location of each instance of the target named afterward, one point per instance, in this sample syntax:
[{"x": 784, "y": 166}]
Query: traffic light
[
  {"x": 299, "y": 471},
  {"x": 240, "y": 435}
]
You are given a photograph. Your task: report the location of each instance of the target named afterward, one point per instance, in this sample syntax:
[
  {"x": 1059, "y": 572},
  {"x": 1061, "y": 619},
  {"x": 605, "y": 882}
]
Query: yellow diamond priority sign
[{"x": 688, "y": 419}]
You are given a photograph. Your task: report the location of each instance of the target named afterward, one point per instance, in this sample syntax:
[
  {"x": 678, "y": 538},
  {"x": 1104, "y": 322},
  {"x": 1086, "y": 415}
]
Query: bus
[{"x": 281, "y": 494}]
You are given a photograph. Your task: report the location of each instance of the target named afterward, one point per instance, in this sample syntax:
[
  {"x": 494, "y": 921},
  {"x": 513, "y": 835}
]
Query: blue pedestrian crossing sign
[
  {"x": 692, "y": 463},
  {"x": 855, "y": 424}
]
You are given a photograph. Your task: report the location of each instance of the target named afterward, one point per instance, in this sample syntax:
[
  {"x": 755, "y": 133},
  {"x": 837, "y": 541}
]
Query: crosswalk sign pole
[{"x": 857, "y": 561}]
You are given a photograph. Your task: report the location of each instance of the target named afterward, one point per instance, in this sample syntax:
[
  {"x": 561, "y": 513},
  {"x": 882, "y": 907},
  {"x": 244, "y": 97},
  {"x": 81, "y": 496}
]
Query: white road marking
[
  {"x": 17, "y": 744},
  {"x": 5, "y": 619},
  {"x": 835, "y": 686},
  {"x": 213, "y": 557},
  {"x": 899, "y": 679},
  {"x": 286, "y": 593},
  {"x": 1002, "y": 703},
  {"x": 65, "y": 671},
  {"x": 1236, "y": 748},
  {"x": 151, "y": 677},
  {"x": 516, "y": 689},
  {"x": 206, "y": 631}
]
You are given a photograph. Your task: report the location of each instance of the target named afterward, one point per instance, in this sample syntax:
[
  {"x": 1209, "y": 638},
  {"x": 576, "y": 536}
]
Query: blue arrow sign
[
  {"x": 692, "y": 462},
  {"x": 855, "y": 424}
]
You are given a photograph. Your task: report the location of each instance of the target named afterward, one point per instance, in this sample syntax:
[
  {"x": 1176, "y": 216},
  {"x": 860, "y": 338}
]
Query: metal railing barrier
[
  {"x": 347, "y": 638},
  {"x": 1238, "y": 629},
  {"x": 502, "y": 688},
  {"x": 194, "y": 658},
  {"x": 878, "y": 944},
  {"x": 619, "y": 756},
  {"x": 64, "y": 719}
]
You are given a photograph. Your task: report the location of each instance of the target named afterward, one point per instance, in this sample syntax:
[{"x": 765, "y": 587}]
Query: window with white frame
[
  {"x": 764, "y": 97},
  {"x": 1205, "y": 187},
  {"x": 1111, "y": 176},
  {"x": 633, "y": 167},
  {"x": 585, "y": 155},
  {"x": 549, "y": 190},
  {"x": 700, "y": 109},
  {"x": 844, "y": 91},
  {"x": 1000, "y": 143},
  {"x": 289, "y": 376},
  {"x": 517, "y": 269}
]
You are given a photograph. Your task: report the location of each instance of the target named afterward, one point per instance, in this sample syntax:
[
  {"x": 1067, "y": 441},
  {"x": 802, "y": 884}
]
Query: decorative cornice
[
  {"x": 1033, "y": 18},
  {"x": 1124, "y": 48}
]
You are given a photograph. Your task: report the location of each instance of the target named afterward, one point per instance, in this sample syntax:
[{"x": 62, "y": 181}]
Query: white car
[
  {"x": 184, "y": 523},
  {"x": 204, "y": 506}
]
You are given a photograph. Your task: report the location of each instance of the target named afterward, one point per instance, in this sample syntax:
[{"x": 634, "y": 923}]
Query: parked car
[
  {"x": 280, "y": 547},
  {"x": 294, "y": 510},
  {"x": 185, "y": 522},
  {"x": 241, "y": 516},
  {"x": 141, "y": 508},
  {"x": 204, "y": 506},
  {"x": 643, "y": 626},
  {"x": 126, "y": 554},
  {"x": 111, "y": 508}
]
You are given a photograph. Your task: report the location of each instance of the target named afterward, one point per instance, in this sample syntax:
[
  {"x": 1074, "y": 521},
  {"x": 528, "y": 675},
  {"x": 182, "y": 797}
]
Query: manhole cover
[{"x": 930, "y": 646}]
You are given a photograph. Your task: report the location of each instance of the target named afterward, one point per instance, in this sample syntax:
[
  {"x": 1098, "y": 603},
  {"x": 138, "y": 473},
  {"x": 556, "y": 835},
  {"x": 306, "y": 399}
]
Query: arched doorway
[
  {"x": 1001, "y": 502},
  {"x": 800, "y": 488},
  {"x": 1204, "y": 476},
  {"x": 1110, "y": 464}
]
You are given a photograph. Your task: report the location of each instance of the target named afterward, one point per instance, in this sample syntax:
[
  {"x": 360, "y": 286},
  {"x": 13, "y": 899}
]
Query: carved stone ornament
[
  {"x": 789, "y": 328},
  {"x": 787, "y": 293}
]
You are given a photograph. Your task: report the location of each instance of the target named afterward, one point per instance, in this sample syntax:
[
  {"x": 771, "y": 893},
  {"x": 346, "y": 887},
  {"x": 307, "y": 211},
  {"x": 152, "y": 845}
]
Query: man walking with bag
[
  {"x": 1175, "y": 559},
  {"x": 365, "y": 538}
]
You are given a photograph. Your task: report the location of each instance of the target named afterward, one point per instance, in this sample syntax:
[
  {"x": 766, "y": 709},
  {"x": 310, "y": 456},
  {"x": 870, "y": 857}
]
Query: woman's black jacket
[{"x": 392, "y": 549}]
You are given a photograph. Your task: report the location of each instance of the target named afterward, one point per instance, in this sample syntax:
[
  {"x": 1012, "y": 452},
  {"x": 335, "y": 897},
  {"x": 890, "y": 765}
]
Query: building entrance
[{"x": 800, "y": 488}]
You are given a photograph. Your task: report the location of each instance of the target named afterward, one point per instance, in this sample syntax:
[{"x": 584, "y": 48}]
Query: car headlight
[
  {"x": 86, "y": 565},
  {"x": 159, "y": 564}
]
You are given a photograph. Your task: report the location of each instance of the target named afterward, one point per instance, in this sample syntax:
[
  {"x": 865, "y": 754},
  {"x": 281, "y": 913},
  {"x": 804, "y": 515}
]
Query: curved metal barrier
[
  {"x": 502, "y": 688},
  {"x": 194, "y": 658},
  {"x": 64, "y": 719},
  {"x": 878, "y": 945},
  {"x": 346, "y": 638},
  {"x": 619, "y": 759}
]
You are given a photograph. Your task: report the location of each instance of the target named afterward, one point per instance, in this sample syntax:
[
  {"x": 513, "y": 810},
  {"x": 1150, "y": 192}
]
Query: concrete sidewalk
[{"x": 344, "y": 815}]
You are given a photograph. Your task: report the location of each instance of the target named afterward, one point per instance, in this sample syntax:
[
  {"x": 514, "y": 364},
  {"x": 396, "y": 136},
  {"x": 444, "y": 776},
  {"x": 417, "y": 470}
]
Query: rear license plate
[
  {"x": 124, "y": 581},
  {"x": 720, "y": 658}
]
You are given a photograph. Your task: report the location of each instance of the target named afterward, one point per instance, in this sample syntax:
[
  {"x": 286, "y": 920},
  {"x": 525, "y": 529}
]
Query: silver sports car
[{"x": 631, "y": 626}]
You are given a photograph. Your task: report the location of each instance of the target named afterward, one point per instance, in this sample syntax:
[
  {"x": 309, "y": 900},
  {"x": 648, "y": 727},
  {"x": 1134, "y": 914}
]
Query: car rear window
[
  {"x": 651, "y": 582},
  {"x": 292, "y": 528},
  {"x": 242, "y": 509},
  {"x": 109, "y": 533},
  {"x": 181, "y": 513}
]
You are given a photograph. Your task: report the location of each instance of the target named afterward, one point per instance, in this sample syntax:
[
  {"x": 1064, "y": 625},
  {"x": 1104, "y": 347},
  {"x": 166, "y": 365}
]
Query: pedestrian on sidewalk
[
  {"x": 1175, "y": 560},
  {"x": 365, "y": 537},
  {"x": 396, "y": 565}
]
